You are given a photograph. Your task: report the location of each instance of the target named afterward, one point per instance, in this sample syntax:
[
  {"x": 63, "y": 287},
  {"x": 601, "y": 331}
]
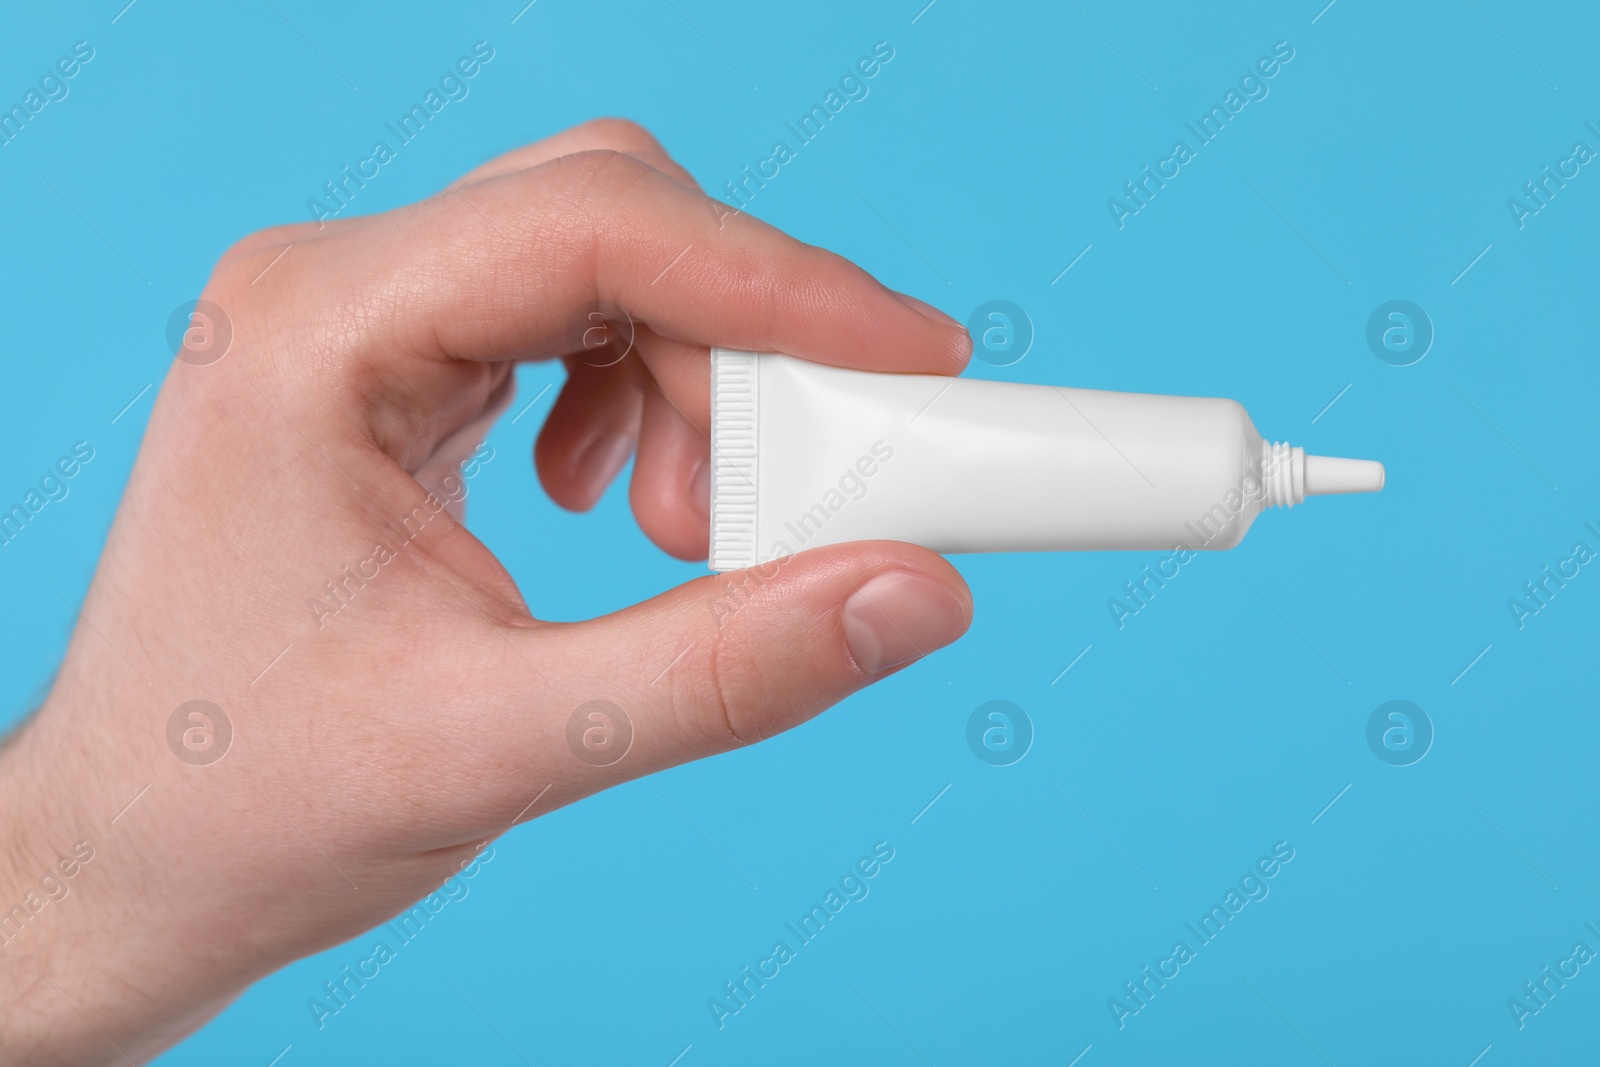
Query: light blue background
[{"x": 1213, "y": 725}]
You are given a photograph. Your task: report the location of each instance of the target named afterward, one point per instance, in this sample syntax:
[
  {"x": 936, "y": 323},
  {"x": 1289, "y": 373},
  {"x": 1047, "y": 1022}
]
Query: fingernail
[
  {"x": 898, "y": 617},
  {"x": 926, "y": 310},
  {"x": 700, "y": 488},
  {"x": 600, "y": 461}
]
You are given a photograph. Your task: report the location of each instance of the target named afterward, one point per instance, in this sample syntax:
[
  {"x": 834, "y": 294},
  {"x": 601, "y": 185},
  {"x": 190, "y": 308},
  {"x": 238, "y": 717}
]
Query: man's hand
[{"x": 422, "y": 710}]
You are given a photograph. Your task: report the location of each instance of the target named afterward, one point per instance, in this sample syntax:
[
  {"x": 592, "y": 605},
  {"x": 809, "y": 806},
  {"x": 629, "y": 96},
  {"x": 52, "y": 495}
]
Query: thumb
[{"x": 731, "y": 659}]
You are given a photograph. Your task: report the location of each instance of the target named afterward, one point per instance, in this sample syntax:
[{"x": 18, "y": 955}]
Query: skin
[{"x": 429, "y": 715}]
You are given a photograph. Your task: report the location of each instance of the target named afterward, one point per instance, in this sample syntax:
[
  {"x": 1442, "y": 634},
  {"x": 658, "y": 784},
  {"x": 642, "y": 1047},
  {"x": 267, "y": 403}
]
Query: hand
[{"x": 421, "y": 710}]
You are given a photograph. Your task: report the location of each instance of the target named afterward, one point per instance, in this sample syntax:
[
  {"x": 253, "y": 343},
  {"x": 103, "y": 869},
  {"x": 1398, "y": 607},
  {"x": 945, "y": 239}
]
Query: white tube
[{"x": 805, "y": 455}]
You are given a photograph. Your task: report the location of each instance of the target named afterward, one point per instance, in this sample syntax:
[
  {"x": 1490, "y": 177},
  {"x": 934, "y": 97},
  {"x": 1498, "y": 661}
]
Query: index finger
[{"x": 509, "y": 268}]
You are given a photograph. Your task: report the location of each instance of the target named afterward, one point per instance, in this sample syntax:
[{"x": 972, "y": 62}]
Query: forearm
[
  {"x": 89, "y": 974},
  {"x": 36, "y": 901}
]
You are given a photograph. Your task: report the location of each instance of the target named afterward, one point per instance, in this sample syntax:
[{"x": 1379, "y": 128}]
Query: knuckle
[
  {"x": 243, "y": 263},
  {"x": 585, "y": 194},
  {"x": 270, "y": 241},
  {"x": 713, "y": 704},
  {"x": 824, "y": 280},
  {"x": 755, "y": 281},
  {"x": 622, "y": 134},
  {"x": 600, "y": 171}
]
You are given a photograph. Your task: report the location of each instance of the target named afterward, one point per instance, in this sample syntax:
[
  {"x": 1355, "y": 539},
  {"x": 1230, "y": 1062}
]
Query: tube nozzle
[
  {"x": 1329, "y": 474},
  {"x": 1290, "y": 475}
]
